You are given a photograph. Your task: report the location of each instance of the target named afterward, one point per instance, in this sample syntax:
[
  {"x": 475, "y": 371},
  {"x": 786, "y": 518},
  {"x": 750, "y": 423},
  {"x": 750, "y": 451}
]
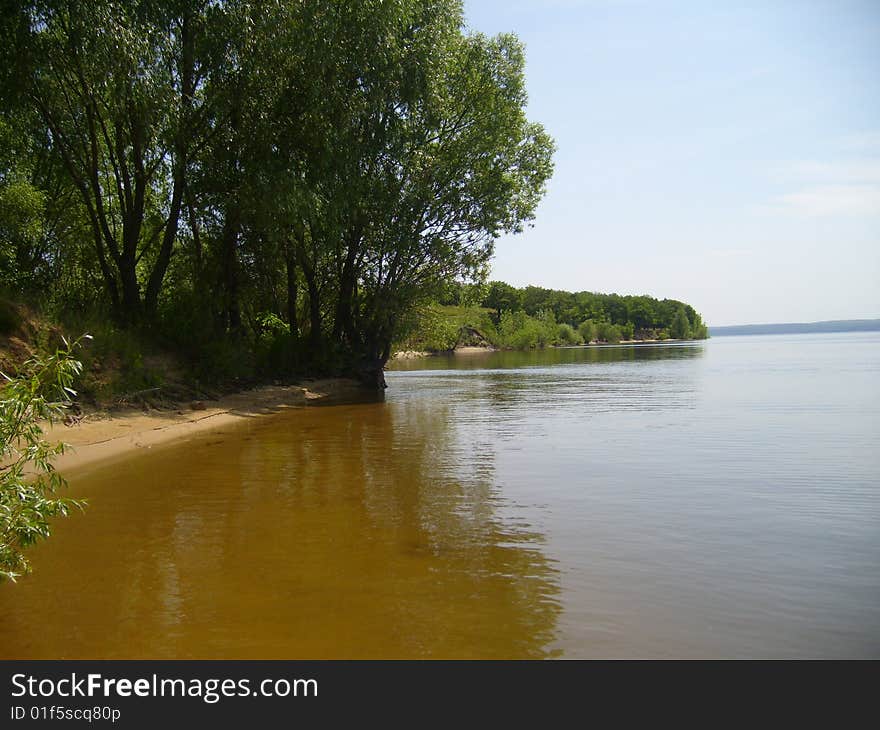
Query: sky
[{"x": 726, "y": 154}]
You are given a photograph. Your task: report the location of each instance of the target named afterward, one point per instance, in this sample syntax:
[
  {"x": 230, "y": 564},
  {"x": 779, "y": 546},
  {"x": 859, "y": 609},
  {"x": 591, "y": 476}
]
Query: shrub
[
  {"x": 607, "y": 332},
  {"x": 566, "y": 335},
  {"x": 28, "y": 481},
  {"x": 587, "y": 330}
]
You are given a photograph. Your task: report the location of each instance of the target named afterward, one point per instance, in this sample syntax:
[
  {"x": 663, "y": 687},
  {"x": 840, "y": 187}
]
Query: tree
[
  {"x": 335, "y": 165},
  {"x": 115, "y": 85},
  {"x": 567, "y": 335},
  {"x": 502, "y": 297},
  {"x": 680, "y": 327},
  {"x": 415, "y": 156},
  {"x": 640, "y": 312},
  {"x": 587, "y": 330},
  {"x": 607, "y": 332}
]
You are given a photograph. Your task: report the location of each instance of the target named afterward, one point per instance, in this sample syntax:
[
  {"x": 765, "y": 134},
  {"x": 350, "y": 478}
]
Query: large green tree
[
  {"x": 451, "y": 164},
  {"x": 115, "y": 85},
  {"x": 680, "y": 327},
  {"x": 395, "y": 150},
  {"x": 331, "y": 164}
]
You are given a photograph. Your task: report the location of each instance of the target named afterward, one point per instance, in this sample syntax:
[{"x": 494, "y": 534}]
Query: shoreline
[
  {"x": 106, "y": 436},
  {"x": 474, "y": 350}
]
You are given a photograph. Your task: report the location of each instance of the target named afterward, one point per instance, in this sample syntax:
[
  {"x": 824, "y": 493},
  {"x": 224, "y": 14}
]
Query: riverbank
[
  {"x": 107, "y": 435},
  {"x": 474, "y": 350}
]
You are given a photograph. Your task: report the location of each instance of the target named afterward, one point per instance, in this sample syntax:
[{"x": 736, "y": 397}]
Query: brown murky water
[
  {"x": 321, "y": 532},
  {"x": 709, "y": 500}
]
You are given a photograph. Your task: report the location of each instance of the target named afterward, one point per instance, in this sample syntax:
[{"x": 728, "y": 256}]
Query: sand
[{"x": 100, "y": 437}]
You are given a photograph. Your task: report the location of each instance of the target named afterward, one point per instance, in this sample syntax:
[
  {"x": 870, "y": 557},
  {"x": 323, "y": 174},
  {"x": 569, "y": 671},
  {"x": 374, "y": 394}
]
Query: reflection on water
[
  {"x": 350, "y": 531},
  {"x": 709, "y": 500},
  {"x": 505, "y": 359}
]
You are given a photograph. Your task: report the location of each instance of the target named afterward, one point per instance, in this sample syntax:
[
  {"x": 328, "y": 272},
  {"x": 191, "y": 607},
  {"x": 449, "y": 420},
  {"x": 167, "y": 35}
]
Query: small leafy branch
[{"x": 28, "y": 481}]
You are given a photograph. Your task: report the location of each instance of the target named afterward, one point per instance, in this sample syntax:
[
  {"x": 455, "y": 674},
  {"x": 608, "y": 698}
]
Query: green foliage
[
  {"x": 463, "y": 294},
  {"x": 547, "y": 330},
  {"x": 568, "y": 335},
  {"x": 519, "y": 331},
  {"x": 440, "y": 328},
  {"x": 28, "y": 481},
  {"x": 513, "y": 332},
  {"x": 698, "y": 330},
  {"x": 607, "y": 332},
  {"x": 439, "y": 334},
  {"x": 23, "y": 215},
  {"x": 336, "y": 165},
  {"x": 640, "y": 317},
  {"x": 587, "y": 330},
  {"x": 116, "y": 362},
  {"x": 502, "y": 297},
  {"x": 275, "y": 347},
  {"x": 279, "y": 188},
  {"x": 271, "y": 325},
  {"x": 679, "y": 329},
  {"x": 21, "y": 226}
]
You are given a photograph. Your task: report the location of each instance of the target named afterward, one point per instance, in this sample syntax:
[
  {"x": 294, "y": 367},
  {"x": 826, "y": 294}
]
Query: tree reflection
[{"x": 365, "y": 530}]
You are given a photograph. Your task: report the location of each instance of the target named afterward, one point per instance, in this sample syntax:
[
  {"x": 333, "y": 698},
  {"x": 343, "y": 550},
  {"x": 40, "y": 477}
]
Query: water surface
[{"x": 717, "y": 499}]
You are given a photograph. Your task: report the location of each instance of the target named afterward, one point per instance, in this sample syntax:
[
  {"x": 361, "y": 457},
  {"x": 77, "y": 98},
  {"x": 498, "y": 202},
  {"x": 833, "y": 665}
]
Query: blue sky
[{"x": 722, "y": 153}]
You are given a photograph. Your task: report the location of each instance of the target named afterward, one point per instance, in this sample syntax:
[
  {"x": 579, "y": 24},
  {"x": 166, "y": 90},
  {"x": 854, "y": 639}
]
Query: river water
[{"x": 716, "y": 499}]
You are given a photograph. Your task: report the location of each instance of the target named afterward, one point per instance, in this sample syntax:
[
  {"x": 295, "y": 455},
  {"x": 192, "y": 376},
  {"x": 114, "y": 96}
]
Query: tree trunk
[
  {"x": 314, "y": 312},
  {"x": 292, "y": 316},
  {"x": 131, "y": 291},
  {"x": 308, "y": 270},
  {"x": 229, "y": 258},
  {"x": 197, "y": 241},
  {"x": 371, "y": 370},
  {"x": 372, "y": 373},
  {"x": 232, "y": 224},
  {"x": 343, "y": 324},
  {"x": 187, "y": 69}
]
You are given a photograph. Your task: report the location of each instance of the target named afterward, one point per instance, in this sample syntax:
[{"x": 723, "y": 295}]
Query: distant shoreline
[
  {"x": 794, "y": 328},
  {"x": 477, "y": 350}
]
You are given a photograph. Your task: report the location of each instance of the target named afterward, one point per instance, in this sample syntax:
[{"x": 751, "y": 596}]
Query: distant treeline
[
  {"x": 606, "y": 317},
  {"x": 793, "y": 328}
]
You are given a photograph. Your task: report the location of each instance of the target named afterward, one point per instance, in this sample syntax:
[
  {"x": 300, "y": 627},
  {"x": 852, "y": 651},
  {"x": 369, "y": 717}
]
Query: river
[{"x": 713, "y": 499}]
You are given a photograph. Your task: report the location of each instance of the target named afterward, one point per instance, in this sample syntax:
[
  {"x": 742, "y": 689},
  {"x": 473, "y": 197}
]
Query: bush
[
  {"x": 518, "y": 331},
  {"x": 226, "y": 361},
  {"x": 433, "y": 331},
  {"x": 28, "y": 481},
  {"x": 587, "y": 330},
  {"x": 276, "y": 350},
  {"x": 114, "y": 363},
  {"x": 546, "y": 328},
  {"x": 680, "y": 327},
  {"x": 607, "y": 332},
  {"x": 439, "y": 328},
  {"x": 566, "y": 335}
]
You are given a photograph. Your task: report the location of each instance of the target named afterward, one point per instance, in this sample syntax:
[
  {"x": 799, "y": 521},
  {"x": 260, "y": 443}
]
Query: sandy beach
[{"x": 104, "y": 436}]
